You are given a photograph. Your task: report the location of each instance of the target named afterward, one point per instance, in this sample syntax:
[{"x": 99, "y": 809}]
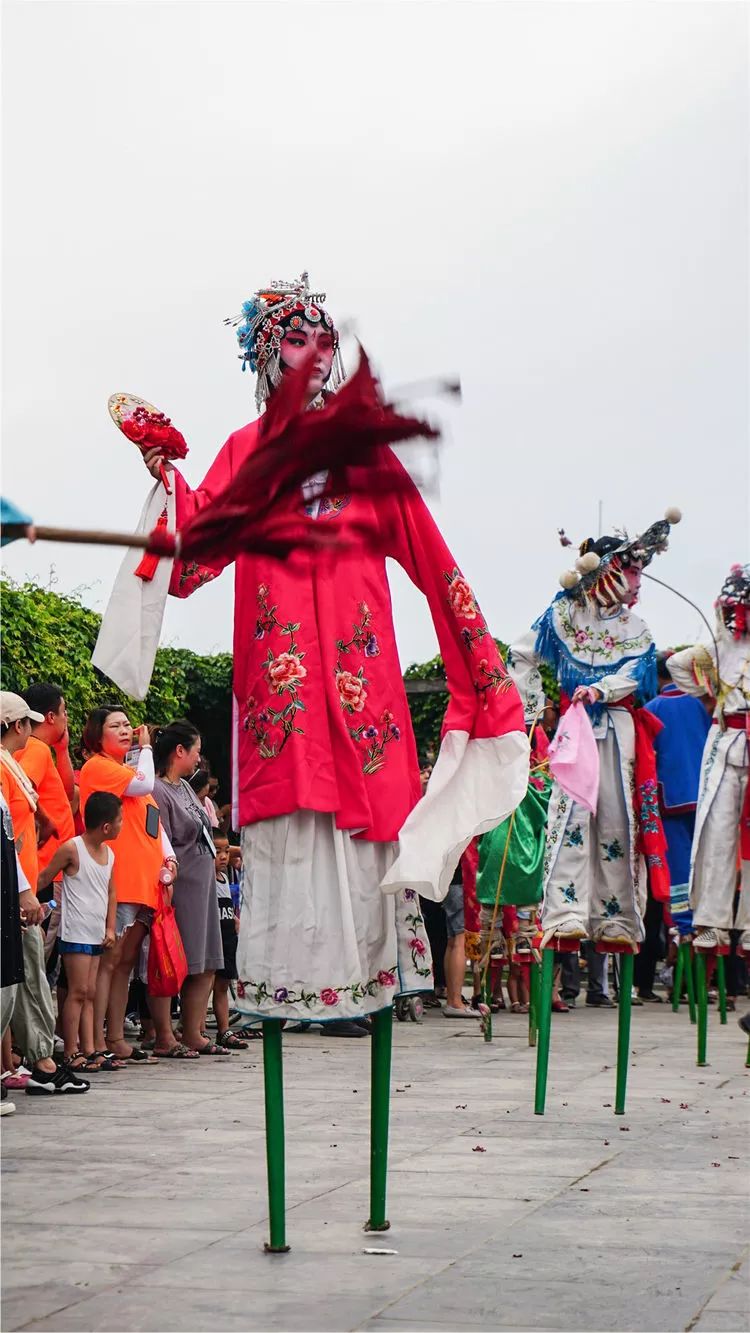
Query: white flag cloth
[{"x": 131, "y": 625}]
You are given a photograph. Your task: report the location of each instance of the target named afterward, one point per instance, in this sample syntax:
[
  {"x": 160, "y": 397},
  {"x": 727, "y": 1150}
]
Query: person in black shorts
[{"x": 229, "y": 929}]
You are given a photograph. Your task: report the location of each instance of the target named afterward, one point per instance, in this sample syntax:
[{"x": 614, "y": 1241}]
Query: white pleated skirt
[{"x": 318, "y": 938}]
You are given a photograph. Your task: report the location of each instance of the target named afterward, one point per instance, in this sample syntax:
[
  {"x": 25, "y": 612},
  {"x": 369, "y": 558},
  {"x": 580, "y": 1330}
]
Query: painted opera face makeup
[
  {"x": 632, "y": 575},
  {"x": 299, "y": 337}
]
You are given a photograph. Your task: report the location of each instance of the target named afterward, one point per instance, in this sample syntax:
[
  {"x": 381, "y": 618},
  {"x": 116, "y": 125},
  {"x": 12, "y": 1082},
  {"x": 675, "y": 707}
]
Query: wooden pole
[
  {"x": 533, "y": 1003},
  {"x": 81, "y": 536}
]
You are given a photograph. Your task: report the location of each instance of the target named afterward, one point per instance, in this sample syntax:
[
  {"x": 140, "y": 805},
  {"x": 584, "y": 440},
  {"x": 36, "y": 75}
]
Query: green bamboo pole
[
  {"x": 533, "y": 1002},
  {"x": 544, "y": 1024},
  {"x": 721, "y": 981},
  {"x": 679, "y": 969},
  {"x": 380, "y": 1093},
  {"x": 690, "y": 979},
  {"x": 274, "y": 1096},
  {"x": 623, "y": 1030},
  {"x": 700, "y": 975}
]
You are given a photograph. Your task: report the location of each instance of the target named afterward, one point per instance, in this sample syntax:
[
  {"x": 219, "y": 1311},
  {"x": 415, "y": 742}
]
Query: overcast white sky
[{"x": 550, "y": 199}]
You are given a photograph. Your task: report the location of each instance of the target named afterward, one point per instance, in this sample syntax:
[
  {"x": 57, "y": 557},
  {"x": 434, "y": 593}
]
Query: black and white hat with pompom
[{"x": 598, "y": 553}]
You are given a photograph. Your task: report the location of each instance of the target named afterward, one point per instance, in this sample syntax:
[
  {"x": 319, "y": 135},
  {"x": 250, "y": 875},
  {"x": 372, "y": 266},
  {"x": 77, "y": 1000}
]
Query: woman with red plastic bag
[{"x": 177, "y": 749}]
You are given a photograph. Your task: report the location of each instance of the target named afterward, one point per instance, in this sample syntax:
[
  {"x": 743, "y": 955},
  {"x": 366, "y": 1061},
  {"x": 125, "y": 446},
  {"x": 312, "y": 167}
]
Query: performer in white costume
[
  {"x": 721, "y": 670},
  {"x": 604, "y": 656}
]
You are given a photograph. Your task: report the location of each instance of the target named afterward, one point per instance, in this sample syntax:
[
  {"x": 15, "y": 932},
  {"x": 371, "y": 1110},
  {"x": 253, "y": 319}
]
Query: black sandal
[
  {"x": 230, "y": 1041},
  {"x": 212, "y": 1048},
  {"x": 177, "y": 1052}
]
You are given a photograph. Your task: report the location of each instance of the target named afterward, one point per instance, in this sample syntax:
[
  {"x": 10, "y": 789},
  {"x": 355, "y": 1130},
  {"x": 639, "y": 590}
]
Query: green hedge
[{"x": 46, "y": 636}]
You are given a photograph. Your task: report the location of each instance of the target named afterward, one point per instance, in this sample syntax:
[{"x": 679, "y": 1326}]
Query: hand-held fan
[{"x": 148, "y": 428}]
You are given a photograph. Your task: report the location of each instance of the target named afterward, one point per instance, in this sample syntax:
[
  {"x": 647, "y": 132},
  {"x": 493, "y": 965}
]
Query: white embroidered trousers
[
  {"x": 591, "y": 882},
  {"x": 715, "y": 855},
  {"x": 318, "y": 939}
]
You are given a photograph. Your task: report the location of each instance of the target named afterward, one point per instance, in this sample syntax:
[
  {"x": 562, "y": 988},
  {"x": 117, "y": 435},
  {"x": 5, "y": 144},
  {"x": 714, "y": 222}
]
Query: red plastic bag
[{"x": 167, "y": 964}]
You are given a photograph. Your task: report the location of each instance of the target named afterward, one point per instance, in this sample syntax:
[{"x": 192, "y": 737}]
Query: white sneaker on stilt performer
[
  {"x": 706, "y": 937},
  {"x": 614, "y": 932}
]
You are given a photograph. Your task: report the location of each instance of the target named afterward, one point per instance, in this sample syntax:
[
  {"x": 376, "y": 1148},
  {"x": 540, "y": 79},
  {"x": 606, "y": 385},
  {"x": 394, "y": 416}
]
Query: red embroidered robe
[{"x": 322, "y": 721}]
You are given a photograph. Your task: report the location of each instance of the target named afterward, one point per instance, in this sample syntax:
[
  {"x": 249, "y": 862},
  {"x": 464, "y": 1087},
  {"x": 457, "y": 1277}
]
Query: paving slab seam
[
  {"x": 736, "y": 1266},
  {"x": 489, "y": 1238},
  {"x": 70, "y": 1305}
]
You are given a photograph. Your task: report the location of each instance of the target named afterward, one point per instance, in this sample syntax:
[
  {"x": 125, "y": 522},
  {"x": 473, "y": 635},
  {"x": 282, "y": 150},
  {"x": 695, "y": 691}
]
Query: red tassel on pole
[{"x": 150, "y": 563}]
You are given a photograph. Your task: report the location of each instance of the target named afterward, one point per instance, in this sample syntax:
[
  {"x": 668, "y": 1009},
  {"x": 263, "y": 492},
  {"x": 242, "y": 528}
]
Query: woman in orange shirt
[{"x": 140, "y": 852}]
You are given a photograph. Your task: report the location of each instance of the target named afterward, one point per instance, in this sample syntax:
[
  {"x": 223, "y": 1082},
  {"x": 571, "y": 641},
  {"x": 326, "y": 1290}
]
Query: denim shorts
[
  {"x": 453, "y": 906},
  {"x": 129, "y": 913},
  {"x": 67, "y": 946}
]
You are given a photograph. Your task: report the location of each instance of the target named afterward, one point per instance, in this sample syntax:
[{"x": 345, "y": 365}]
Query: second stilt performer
[{"x": 594, "y": 871}]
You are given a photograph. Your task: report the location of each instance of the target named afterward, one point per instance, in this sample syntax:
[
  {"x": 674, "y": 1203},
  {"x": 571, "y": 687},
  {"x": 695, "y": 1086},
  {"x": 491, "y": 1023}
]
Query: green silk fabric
[{"x": 522, "y": 877}]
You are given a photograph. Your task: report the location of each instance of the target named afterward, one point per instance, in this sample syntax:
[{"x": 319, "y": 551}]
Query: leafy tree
[{"x": 47, "y": 636}]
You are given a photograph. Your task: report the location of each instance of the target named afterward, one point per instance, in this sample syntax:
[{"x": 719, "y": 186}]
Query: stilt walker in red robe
[{"x": 337, "y": 844}]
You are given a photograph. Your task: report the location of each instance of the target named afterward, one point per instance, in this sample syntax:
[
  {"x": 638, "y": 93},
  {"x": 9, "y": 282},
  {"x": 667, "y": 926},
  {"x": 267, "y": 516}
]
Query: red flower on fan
[
  {"x": 152, "y": 430},
  {"x": 135, "y": 430}
]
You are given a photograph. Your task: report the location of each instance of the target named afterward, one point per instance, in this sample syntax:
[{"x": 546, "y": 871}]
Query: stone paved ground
[{"x": 142, "y": 1204}]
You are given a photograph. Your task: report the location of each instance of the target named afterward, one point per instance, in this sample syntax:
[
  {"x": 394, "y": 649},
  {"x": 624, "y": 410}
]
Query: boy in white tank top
[{"x": 87, "y": 926}]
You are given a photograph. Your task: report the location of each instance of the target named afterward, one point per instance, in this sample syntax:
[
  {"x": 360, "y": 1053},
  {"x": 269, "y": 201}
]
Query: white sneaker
[
  {"x": 7, "y": 1108},
  {"x": 613, "y": 932},
  {"x": 709, "y": 938},
  {"x": 567, "y": 930}
]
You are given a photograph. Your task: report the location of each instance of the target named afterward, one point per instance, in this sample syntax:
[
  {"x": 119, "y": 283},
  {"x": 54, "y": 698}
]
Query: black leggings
[
  {"x": 644, "y": 967},
  {"x": 437, "y": 934}
]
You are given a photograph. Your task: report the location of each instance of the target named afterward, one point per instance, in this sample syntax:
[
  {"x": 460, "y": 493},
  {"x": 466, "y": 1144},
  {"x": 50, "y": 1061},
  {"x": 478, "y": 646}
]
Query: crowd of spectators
[{"x": 89, "y": 857}]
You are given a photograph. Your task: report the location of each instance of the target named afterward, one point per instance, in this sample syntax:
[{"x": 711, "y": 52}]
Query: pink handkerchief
[{"x": 574, "y": 757}]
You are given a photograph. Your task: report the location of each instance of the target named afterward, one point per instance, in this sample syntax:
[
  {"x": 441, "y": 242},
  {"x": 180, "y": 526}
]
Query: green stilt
[
  {"x": 274, "y": 1093},
  {"x": 721, "y": 981},
  {"x": 700, "y": 976},
  {"x": 623, "y": 1030},
  {"x": 487, "y": 999},
  {"x": 380, "y": 1094},
  {"x": 690, "y": 980},
  {"x": 747, "y": 1061},
  {"x": 679, "y": 969},
  {"x": 533, "y": 1002},
  {"x": 544, "y": 1023}
]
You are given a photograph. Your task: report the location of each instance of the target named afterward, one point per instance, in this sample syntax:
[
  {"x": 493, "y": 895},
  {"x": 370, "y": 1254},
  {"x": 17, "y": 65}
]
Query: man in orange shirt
[
  {"x": 18, "y": 790},
  {"x": 33, "y": 1015},
  {"x": 53, "y": 778}
]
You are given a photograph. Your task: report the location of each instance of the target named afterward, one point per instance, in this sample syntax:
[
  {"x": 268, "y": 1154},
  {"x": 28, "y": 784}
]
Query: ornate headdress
[
  {"x": 599, "y": 574},
  {"x": 733, "y": 602},
  {"x": 264, "y": 321}
]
